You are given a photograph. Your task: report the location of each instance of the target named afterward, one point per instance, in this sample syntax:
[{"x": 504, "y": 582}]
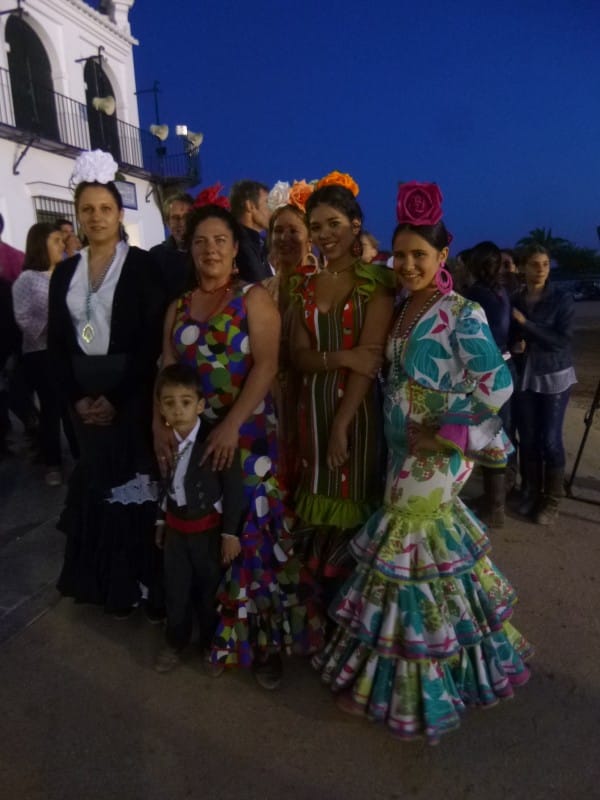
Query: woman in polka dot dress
[{"x": 229, "y": 332}]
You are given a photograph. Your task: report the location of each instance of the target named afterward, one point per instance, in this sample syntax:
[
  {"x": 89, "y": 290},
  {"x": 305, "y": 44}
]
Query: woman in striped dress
[{"x": 342, "y": 315}]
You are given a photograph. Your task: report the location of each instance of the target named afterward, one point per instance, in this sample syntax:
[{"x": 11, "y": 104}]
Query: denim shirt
[{"x": 547, "y": 332}]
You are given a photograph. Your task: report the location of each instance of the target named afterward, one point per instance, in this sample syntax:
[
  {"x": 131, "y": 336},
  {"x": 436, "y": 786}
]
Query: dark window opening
[
  {"x": 31, "y": 80},
  {"x": 104, "y": 133}
]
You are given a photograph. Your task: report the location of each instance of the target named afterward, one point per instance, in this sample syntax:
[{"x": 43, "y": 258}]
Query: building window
[
  {"x": 31, "y": 81},
  {"x": 104, "y": 134},
  {"x": 49, "y": 209}
]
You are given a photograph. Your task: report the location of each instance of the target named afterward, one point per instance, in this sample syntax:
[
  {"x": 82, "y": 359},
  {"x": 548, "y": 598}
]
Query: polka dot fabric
[{"x": 261, "y": 605}]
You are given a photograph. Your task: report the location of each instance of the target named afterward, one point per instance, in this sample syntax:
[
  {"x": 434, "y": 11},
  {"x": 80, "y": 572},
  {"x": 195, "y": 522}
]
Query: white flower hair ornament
[
  {"x": 94, "y": 166},
  {"x": 278, "y": 196}
]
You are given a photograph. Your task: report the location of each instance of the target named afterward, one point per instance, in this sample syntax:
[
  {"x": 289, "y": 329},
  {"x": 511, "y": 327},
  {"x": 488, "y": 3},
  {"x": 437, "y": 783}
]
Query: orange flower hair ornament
[
  {"x": 282, "y": 194},
  {"x": 336, "y": 178}
]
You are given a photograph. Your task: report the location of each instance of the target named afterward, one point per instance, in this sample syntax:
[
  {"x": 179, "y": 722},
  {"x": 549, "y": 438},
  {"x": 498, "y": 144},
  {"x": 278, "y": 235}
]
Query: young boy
[{"x": 202, "y": 512}]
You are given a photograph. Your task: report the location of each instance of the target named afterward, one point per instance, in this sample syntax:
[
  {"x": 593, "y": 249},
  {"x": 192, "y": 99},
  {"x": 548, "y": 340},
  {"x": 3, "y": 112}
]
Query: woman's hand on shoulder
[
  {"x": 165, "y": 445},
  {"x": 221, "y": 444}
]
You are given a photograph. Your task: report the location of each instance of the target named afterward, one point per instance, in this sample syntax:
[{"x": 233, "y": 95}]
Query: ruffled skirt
[
  {"x": 423, "y": 623},
  {"x": 267, "y": 601}
]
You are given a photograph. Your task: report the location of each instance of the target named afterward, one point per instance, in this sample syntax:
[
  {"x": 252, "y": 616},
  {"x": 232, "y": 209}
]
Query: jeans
[{"x": 540, "y": 420}]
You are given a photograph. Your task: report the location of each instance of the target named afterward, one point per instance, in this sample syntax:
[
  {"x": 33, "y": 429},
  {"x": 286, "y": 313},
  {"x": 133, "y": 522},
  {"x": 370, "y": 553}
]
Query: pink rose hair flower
[
  {"x": 419, "y": 203},
  {"x": 210, "y": 197}
]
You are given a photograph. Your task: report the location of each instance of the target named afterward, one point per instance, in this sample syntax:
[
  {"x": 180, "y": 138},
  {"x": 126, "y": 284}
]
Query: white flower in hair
[
  {"x": 94, "y": 166},
  {"x": 278, "y": 196}
]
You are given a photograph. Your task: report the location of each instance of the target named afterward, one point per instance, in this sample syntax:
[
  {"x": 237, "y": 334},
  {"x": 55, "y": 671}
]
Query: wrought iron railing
[{"x": 45, "y": 114}]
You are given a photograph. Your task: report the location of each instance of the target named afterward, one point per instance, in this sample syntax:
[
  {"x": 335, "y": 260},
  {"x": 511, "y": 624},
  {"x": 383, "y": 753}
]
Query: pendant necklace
[
  {"x": 335, "y": 272},
  {"x": 88, "y": 332}
]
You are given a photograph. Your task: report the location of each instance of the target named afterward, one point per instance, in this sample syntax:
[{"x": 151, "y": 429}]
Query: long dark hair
[
  {"x": 435, "y": 235},
  {"x": 484, "y": 264},
  {"x": 36, "y": 247}
]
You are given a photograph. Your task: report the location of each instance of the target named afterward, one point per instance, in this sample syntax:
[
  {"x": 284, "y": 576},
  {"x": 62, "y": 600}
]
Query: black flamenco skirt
[{"x": 109, "y": 515}]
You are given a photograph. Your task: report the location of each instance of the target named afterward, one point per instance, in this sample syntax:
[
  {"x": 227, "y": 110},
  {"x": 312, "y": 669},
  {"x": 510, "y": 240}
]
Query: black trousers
[{"x": 192, "y": 575}]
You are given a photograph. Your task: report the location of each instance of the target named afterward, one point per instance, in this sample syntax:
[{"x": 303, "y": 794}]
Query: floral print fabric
[{"x": 423, "y": 621}]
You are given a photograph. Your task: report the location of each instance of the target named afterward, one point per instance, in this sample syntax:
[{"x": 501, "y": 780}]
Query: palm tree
[{"x": 553, "y": 244}]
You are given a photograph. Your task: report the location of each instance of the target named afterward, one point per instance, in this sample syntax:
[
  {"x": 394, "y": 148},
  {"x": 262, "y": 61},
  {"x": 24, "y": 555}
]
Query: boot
[
  {"x": 553, "y": 491},
  {"x": 494, "y": 484},
  {"x": 530, "y": 497}
]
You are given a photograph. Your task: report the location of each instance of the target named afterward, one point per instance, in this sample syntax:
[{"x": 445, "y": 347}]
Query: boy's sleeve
[{"x": 234, "y": 498}]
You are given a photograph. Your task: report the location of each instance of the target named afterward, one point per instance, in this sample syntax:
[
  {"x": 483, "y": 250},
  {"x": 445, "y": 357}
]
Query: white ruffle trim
[{"x": 136, "y": 491}]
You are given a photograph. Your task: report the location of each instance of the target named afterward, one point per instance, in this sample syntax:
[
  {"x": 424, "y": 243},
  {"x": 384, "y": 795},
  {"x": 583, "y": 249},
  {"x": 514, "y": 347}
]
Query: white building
[{"x": 56, "y": 58}]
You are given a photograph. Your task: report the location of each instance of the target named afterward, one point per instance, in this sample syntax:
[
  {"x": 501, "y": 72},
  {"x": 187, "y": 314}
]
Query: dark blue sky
[{"x": 499, "y": 102}]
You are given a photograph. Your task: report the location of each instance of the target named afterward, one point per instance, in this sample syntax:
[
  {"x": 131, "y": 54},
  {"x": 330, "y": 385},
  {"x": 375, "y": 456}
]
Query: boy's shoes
[
  {"x": 268, "y": 673},
  {"x": 53, "y": 477},
  {"x": 215, "y": 670},
  {"x": 155, "y": 616},
  {"x": 167, "y": 659}
]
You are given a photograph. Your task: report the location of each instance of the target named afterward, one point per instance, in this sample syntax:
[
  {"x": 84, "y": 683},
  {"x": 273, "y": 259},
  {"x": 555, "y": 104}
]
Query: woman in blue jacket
[{"x": 544, "y": 325}]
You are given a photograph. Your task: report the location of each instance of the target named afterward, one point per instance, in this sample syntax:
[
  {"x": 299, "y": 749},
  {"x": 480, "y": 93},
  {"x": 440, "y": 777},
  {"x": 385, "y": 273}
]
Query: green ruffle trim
[
  {"x": 371, "y": 276},
  {"x": 316, "y": 509}
]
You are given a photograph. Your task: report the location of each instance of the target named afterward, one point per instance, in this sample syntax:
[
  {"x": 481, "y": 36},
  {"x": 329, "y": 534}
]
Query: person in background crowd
[
  {"x": 543, "y": 333},
  {"x": 370, "y": 247},
  {"x": 104, "y": 329},
  {"x": 509, "y": 274},
  {"x": 248, "y": 200},
  {"x": 44, "y": 250},
  {"x": 423, "y": 628},
  {"x": 17, "y": 396},
  {"x": 485, "y": 288},
  {"x": 11, "y": 259},
  {"x": 71, "y": 241},
  {"x": 290, "y": 250},
  {"x": 341, "y": 316},
  {"x": 171, "y": 255},
  {"x": 10, "y": 341}
]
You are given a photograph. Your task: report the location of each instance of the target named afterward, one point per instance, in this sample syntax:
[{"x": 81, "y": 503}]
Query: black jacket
[
  {"x": 173, "y": 265},
  {"x": 135, "y": 334},
  {"x": 251, "y": 259},
  {"x": 205, "y": 486}
]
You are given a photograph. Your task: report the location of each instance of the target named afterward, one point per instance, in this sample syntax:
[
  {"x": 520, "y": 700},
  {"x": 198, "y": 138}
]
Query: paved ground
[{"x": 83, "y": 715}]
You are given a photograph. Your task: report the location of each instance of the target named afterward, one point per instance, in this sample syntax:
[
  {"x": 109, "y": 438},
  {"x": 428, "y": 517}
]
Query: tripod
[{"x": 588, "y": 420}]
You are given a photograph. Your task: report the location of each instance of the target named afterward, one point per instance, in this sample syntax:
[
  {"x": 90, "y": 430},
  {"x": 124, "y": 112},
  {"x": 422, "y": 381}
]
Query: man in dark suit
[
  {"x": 248, "y": 200},
  {"x": 171, "y": 255}
]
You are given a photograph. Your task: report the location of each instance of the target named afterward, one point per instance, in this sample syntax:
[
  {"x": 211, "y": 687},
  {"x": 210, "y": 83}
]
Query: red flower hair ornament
[
  {"x": 419, "y": 203},
  {"x": 210, "y": 197}
]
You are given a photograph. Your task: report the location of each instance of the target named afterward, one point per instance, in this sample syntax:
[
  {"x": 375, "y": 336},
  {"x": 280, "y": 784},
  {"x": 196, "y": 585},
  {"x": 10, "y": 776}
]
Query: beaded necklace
[{"x": 399, "y": 340}]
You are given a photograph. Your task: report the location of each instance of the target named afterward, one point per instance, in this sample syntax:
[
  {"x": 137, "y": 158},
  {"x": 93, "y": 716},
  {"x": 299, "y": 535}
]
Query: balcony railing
[{"x": 59, "y": 123}]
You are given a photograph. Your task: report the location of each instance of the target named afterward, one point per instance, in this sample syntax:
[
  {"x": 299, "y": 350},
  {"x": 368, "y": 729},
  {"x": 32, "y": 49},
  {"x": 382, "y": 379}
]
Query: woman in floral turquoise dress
[
  {"x": 423, "y": 621},
  {"x": 228, "y": 331}
]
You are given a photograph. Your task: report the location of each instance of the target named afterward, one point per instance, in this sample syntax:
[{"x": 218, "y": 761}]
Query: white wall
[{"x": 70, "y": 30}]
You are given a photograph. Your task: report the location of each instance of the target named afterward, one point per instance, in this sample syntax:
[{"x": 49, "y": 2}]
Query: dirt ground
[{"x": 84, "y": 715}]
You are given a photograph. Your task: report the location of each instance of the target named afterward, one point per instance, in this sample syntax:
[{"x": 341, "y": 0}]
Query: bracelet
[{"x": 325, "y": 364}]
